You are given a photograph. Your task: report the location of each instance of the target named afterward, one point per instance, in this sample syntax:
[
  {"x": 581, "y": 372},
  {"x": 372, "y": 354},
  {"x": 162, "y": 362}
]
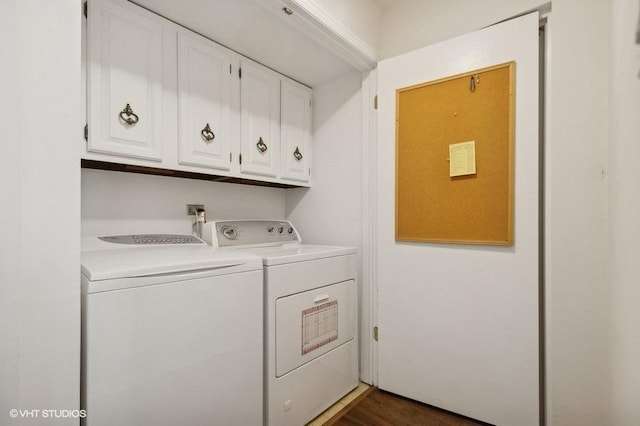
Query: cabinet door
[
  {"x": 295, "y": 125},
  {"x": 125, "y": 95},
  {"x": 204, "y": 90},
  {"x": 260, "y": 118}
]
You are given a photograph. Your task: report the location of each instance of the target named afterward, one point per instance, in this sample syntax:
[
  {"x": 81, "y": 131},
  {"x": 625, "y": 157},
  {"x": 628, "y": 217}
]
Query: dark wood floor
[{"x": 379, "y": 408}]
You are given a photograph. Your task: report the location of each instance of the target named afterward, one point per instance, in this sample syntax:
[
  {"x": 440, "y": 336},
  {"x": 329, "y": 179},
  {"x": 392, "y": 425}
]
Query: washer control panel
[
  {"x": 152, "y": 239},
  {"x": 249, "y": 232}
]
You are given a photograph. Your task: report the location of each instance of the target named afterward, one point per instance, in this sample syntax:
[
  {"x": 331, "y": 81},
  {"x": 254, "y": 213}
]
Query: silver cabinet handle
[
  {"x": 297, "y": 154},
  {"x": 262, "y": 147},
  {"x": 128, "y": 116},
  {"x": 207, "y": 133}
]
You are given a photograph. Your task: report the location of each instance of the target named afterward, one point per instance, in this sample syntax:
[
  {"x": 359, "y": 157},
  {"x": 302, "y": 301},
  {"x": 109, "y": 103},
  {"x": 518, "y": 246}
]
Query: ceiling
[{"x": 259, "y": 30}]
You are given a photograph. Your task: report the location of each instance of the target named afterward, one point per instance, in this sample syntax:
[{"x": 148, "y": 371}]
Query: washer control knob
[
  {"x": 280, "y": 230},
  {"x": 270, "y": 229},
  {"x": 290, "y": 230},
  {"x": 229, "y": 232}
]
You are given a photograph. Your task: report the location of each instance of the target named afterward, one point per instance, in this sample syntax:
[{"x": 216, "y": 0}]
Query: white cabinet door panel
[
  {"x": 295, "y": 120},
  {"x": 125, "y": 95},
  {"x": 204, "y": 91},
  {"x": 260, "y": 120}
]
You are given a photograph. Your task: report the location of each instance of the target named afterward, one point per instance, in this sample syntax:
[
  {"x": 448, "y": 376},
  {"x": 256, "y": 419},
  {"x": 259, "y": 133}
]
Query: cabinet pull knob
[
  {"x": 207, "y": 133},
  {"x": 297, "y": 154},
  {"x": 128, "y": 116},
  {"x": 262, "y": 147}
]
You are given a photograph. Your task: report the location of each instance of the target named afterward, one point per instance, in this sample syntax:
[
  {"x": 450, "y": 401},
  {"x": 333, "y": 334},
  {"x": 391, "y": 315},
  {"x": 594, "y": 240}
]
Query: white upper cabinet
[
  {"x": 295, "y": 125},
  {"x": 124, "y": 80},
  {"x": 260, "y": 119},
  {"x": 163, "y": 97},
  {"x": 204, "y": 96}
]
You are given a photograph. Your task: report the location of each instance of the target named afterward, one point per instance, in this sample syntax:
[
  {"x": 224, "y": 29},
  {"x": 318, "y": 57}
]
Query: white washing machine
[
  {"x": 311, "y": 341},
  {"x": 172, "y": 333}
]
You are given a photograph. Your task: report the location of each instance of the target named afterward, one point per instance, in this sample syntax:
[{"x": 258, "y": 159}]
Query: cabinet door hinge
[
  {"x": 239, "y": 72},
  {"x": 375, "y": 333},
  {"x": 375, "y": 102},
  {"x": 229, "y": 68},
  {"x": 84, "y": 8},
  {"x": 86, "y": 132},
  {"x": 240, "y": 158},
  {"x": 309, "y": 171},
  {"x": 230, "y": 157}
]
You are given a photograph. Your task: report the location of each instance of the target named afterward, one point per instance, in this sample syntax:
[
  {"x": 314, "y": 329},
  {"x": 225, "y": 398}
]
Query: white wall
[
  {"x": 624, "y": 205},
  {"x": 350, "y": 29},
  {"x": 11, "y": 221},
  {"x": 40, "y": 208},
  {"x": 125, "y": 203},
  {"x": 361, "y": 17},
  {"x": 331, "y": 211},
  {"x": 578, "y": 298},
  {"x": 410, "y": 24}
]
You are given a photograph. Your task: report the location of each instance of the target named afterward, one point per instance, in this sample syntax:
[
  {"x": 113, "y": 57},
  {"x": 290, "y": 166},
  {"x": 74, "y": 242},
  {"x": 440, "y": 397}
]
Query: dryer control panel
[{"x": 252, "y": 232}]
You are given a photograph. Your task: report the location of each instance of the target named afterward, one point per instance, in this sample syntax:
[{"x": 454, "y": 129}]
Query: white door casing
[{"x": 458, "y": 324}]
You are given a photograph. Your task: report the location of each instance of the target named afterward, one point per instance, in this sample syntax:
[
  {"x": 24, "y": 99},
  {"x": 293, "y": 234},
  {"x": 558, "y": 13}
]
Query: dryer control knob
[
  {"x": 280, "y": 230},
  {"x": 270, "y": 229},
  {"x": 290, "y": 230},
  {"x": 229, "y": 232}
]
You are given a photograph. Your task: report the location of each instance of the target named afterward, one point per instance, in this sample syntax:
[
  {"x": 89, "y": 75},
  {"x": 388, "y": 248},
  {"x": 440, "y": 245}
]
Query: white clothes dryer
[
  {"x": 311, "y": 339},
  {"x": 172, "y": 333}
]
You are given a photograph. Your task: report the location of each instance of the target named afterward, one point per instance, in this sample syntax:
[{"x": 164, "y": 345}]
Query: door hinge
[
  {"x": 240, "y": 158},
  {"x": 375, "y": 333},
  {"x": 86, "y": 132},
  {"x": 375, "y": 102},
  {"x": 239, "y": 72},
  {"x": 310, "y": 102},
  {"x": 229, "y": 68},
  {"x": 84, "y": 8},
  {"x": 309, "y": 171},
  {"x": 230, "y": 157}
]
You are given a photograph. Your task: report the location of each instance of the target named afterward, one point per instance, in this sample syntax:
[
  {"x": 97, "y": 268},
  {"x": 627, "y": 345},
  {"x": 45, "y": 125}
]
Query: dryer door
[{"x": 312, "y": 323}]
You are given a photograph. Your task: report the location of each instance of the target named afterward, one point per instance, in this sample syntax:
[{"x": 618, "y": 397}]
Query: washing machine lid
[
  {"x": 289, "y": 253},
  {"x": 113, "y": 261}
]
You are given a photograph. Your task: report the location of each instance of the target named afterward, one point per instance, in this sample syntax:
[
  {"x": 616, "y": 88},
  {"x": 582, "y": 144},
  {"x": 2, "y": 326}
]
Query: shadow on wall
[
  {"x": 638, "y": 27},
  {"x": 116, "y": 202},
  {"x": 638, "y": 33},
  {"x": 333, "y": 203},
  {"x": 329, "y": 101}
]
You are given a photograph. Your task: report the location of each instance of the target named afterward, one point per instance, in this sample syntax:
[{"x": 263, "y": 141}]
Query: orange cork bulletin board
[{"x": 455, "y": 158}]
